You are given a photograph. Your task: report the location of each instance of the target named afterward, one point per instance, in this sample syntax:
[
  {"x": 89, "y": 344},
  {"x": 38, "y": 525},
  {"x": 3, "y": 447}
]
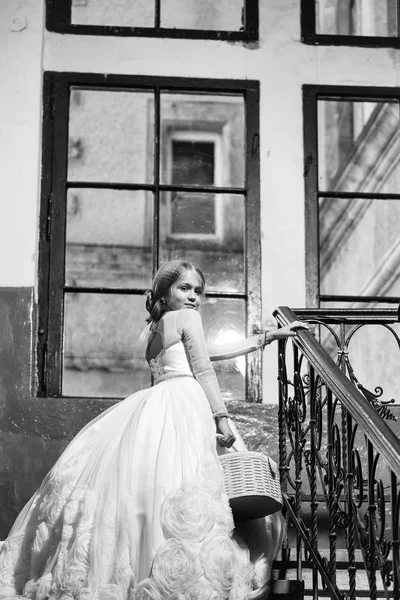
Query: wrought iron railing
[{"x": 339, "y": 461}]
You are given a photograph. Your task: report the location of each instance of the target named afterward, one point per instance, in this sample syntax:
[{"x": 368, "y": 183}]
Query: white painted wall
[
  {"x": 21, "y": 41},
  {"x": 279, "y": 61}
]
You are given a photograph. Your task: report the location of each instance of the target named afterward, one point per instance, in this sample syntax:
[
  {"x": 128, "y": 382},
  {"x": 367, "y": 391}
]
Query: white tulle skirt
[{"x": 133, "y": 509}]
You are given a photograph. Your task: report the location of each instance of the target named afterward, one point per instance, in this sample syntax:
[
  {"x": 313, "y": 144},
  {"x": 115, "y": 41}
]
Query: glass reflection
[
  {"x": 111, "y": 136},
  {"x": 365, "y": 17},
  {"x": 103, "y": 357},
  {"x": 108, "y": 238},
  {"x": 208, "y": 230},
  {"x": 358, "y": 146},
  {"x": 217, "y": 15},
  {"x": 224, "y": 321},
  {"x": 122, "y": 13},
  {"x": 359, "y": 247},
  {"x": 202, "y": 139}
]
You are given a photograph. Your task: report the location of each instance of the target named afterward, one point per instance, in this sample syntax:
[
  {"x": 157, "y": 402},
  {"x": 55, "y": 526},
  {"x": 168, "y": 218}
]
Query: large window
[
  {"x": 209, "y": 19},
  {"x": 139, "y": 170},
  {"x": 351, "y": 22},
  {"x": 352, "y": 175}
]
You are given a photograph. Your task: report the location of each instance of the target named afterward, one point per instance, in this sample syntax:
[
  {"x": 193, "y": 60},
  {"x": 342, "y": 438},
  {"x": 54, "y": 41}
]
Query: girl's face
[{"x": 186, "y": 292}]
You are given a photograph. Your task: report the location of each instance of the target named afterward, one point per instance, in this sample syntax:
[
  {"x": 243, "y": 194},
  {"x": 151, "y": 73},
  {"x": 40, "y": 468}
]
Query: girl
[{"x": 135, "y": 508}]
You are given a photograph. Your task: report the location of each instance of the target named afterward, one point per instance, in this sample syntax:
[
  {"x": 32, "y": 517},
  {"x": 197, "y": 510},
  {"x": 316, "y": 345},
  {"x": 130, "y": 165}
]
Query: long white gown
[{"x": 135, "y": 507}]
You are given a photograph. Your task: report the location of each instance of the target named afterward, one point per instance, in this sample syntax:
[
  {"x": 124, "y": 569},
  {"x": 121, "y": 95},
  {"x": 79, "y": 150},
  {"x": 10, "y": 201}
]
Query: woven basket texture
[{"x": 249, "y": 474}]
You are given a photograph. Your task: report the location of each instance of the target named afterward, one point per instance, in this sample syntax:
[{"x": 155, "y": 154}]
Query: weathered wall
[{"x": 33, "y": 432}]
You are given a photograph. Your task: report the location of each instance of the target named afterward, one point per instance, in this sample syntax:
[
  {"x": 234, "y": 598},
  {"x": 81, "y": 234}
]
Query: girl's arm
[
  {"x": 190, "y": 328},
  {"x": 247, "y": 345},
  {"x": 237, "y": 348}
]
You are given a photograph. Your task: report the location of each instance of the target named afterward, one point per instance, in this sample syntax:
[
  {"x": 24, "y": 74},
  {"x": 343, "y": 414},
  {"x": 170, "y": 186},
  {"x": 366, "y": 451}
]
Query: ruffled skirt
[{"x": 133, "y": 509}]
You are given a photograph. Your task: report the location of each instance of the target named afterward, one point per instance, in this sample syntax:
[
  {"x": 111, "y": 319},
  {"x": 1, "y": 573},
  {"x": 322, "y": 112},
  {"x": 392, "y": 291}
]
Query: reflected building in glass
[
  {"x": 174, "y": 14},
  {"x": 359, "y": 224},
  {"x": 357, "y": 17},
  {"x": 115, "y": 168},
  {"x": 359, "y": 236}
]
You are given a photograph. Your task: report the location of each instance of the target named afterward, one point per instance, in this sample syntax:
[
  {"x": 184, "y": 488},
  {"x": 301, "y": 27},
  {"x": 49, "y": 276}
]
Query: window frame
[
  {"x": 215, "y": 139},
  {"x": 58, "y": 19},
  {"x": 311, "y": 95},
  {"x": 52, "y": 228},
  {"x": 310, "y": 36}
]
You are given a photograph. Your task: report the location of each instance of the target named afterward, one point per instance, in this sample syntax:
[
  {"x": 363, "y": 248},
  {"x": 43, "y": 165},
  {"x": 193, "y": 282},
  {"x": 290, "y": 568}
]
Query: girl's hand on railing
[
  {"x": 282, "y": 333},
  {"x": 290, "y": 330}
]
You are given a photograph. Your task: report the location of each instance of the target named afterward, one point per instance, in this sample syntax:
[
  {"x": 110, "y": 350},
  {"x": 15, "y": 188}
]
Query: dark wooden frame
[
  {"x": 58, "y": 19},
  {"x": 311, "y": 95},
  {"x": 51, "y": 286},
  {"x": 310, "y": 36}
]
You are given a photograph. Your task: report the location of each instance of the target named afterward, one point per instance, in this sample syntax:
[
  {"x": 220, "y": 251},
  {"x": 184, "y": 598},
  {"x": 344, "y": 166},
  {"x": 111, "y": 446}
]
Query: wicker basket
[{"x": 252, "y": 487}]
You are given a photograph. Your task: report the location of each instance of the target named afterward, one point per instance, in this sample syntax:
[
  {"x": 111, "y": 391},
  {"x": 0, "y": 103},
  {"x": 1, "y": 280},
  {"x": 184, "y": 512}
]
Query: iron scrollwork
[{"x": 344, "y": 500}]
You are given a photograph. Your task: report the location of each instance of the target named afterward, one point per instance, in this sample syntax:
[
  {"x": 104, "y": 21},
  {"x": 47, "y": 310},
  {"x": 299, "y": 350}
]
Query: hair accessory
[{"x": 143, "y": 336}]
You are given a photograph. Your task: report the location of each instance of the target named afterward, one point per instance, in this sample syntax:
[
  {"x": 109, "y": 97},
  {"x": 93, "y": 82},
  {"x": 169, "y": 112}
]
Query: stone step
[
  {"x": 307, "y": 578},
  {"x": 284, "y": 589},
  {"x": 285, "y": 569}
]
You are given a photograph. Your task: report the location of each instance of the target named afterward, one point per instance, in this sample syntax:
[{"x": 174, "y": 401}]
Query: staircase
[
  {"x": 288, "y": 584},
  {"x": 339, "y": 466}
]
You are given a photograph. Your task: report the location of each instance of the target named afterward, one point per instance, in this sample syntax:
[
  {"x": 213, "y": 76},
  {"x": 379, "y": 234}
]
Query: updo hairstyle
[{"x": 168, "y": 274}]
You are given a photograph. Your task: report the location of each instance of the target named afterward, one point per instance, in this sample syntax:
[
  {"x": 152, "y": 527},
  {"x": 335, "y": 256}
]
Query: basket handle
[{"x": 272, "y": 472}]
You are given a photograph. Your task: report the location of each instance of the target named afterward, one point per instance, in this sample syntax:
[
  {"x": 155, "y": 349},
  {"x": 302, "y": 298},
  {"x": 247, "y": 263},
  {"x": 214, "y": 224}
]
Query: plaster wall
[
  {"x": 279, "y": 61},
  {"x": 21, "y": 44}
]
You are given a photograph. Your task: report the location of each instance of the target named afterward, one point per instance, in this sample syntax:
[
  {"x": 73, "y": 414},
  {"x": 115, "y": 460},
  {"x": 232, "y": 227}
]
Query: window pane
[
  {"x": 202, "y": 139},
  {"x": 224, "y": 321},
  {"x": 192, "y": 161},
  {"x": 102, "y": 355},
  {"x": 193, "y": 214},
  {"x": 358, "y": 146},
  {"x": 364, "y": 17},
  {"x": 111, "y": 136},
  {"x": 216, "y": 15},
  {"x": 108, "y": 239},
  {"x": 122, "y": 13},
  {"x": 359, "y": 247},
  {"x": 207, "y": 229}
]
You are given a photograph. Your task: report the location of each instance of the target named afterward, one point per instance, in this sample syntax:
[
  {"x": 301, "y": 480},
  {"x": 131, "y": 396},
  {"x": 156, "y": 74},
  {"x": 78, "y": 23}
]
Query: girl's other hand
[
  {"x": 225, "y": 434},
  {"x": 290, "y": 330}
]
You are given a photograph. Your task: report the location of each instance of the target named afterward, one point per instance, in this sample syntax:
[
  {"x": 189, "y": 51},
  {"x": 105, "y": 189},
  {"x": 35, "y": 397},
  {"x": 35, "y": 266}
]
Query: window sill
[
  {"x": 355, "y": 41},
  {"x": 54, "y": 418}
]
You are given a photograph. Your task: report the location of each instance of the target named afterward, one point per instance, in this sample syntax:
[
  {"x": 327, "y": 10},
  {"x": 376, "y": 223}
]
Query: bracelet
[
  {"x": 220, "y": 415},
  {"x": 266, "y": 341}
]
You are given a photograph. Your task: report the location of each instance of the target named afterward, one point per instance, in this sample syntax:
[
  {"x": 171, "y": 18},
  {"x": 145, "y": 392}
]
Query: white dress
[{"x": 134, "y": 508}]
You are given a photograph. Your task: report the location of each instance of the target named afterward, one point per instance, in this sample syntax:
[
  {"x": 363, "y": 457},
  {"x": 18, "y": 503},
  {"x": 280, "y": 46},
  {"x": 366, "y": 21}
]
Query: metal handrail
[
  {"x": 378, "y": 432},
  {"x": 350, "y": 315}
]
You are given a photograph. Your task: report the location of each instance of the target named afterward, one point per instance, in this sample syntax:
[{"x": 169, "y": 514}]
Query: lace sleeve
[
  {"x": 239, "y": 348},
  {"x": 190, "y": 328}
]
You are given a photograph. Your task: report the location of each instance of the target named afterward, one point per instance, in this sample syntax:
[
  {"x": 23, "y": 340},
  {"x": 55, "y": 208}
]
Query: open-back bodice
[
  {"x": 177, "y": 348},
  {"x": 170, "y": 362}
]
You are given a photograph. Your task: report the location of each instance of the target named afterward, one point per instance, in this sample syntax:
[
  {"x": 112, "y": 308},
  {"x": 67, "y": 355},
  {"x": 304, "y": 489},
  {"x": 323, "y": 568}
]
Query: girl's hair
[{"x": 166, "y": 276}]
